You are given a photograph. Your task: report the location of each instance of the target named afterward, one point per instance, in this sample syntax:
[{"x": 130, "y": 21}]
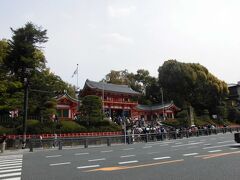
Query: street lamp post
[
  {"x": 163, "y": 104},
  {"x": 25, "y": 108}
]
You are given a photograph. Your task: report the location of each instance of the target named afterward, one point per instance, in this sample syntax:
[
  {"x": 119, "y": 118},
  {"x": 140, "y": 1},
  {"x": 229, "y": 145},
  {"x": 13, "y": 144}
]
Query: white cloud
[
  {"x": 118, "y": 39},
  {"x": 120, "y": 12},
  {"x": 91, "y": 26}
]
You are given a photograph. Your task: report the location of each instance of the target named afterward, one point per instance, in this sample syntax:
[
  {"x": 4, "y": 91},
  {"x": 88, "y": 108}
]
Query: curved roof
[
  {"x": 155, "y": 107},
  {"x": 67, "y": 96},
  {"x": 110, "y": 87}
]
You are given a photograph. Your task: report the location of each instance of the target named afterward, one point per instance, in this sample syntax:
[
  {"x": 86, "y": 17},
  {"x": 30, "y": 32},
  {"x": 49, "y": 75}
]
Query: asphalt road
[{"x": 214, "y": 157}]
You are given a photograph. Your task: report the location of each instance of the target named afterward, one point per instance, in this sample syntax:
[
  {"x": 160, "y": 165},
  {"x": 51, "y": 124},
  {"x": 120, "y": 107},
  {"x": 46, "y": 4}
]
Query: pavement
[{"x": 206, "y": 157}]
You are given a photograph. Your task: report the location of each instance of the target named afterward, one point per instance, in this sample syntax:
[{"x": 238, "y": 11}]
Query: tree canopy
[
  {"x": 22, "y": 57},
  {"x": 191, "y": 84}
]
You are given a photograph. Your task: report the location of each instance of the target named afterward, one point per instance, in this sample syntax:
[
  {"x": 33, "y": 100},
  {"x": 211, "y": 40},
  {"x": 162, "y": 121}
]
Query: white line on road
[
  {"x": 128, "y": 156},
  {"x": 80, "y": 154},
  {"x": 14, "y": 178},
  {"x": 128, "y": 149},
  {"x": 127, "y": 162},
  {"x": 53, "y": 156},
  {"x": 11, "y": 167},
  {"x": 187, "y": 144},
  {"x": 85, "y": 167},
  {"x": 164, "y": 145},
  {"x": 207, "y": 144},
  {"x": 213, "y": 151},
  {"x": 13, "y": 164},
  {"x": 192, "y": 147},
  {"x": 153, "y": 153},
  {"x": 12, "y": 160},
  {"x": 234, "y": 148},
  {"x": 20, "y": 161},
  {"x": 178, "y": 143},
  {"x": 59, "y": 164},
  {"x": 225, "y": 142},
  {"x": 161, "y": 158},
  {"x": 147, "y": 147},
  {"x": 93, "y": 160},
  {"x": 10, "y": 170},
  {"x": 212, "y": 147},
  {"x": 10, "y": 174},
  {"x": 106, "y": 151},
  {"x": 190, "y": 154}
]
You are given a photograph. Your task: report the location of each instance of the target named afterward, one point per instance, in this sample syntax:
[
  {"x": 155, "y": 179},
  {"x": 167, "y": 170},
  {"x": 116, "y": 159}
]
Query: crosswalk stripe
[
  {"x": 12, "y": 162},
  {"x": 10, "y": 174},
  {"x": 14, "y": 178},
  {"x": 10, "y": 170},
  {"x": 10, "y": 167}
]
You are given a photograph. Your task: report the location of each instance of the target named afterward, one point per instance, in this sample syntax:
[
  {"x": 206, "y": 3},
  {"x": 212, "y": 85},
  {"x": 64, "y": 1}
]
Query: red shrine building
[
  {"x": 118, "y": 101},
  {"x": 66, "y": 106}
]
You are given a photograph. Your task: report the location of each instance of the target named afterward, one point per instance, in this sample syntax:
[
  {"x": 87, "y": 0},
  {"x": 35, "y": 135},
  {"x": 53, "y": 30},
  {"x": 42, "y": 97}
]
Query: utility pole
[
  {"x": 25, "y": 109},
  {"x": 103, "y": 110},
  {"x": 163, "y": 104}
]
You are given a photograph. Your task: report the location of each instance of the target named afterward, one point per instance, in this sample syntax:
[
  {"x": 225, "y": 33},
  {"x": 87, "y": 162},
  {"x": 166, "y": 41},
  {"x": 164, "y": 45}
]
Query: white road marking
[
  {"x": 192, "y": 147},
  {"x": 190, "y": 144},
  {"x": 161, "y": 158},
  {"x": 164, "y": 145},
  {"x": 12, "y": 160},
  {"x": 128, "y": 162},
  {"x": 178, "y": 143},
  {"x": 93, "y": 160},
  {"x": 11, "y": 167},
  {"x": 190, "y": 154},
  {"x": 207, "y": 144},
  {"x": 10, "y": 170},
  {"x": 212, "y": 147},
  {"x": 225, "y": 142},
  {"x": 53, "y": 156},
  {"x": 80, "y": 154},
  {"x": 234, "y": 148},
  {"x": 128, "y": 149},
  {"x": 10, "y": 174},
  {"x": 153, "y": 153},
  {"x": 191, "y": 141},
  {"x": 213, "y": 151},
  {"x": 59, "y": 164},
  {"x": 85, "y": 167},
  {"x": 127, "y": 156},
  {"x": 106, "y": 151},
  {"x": 14, "y": 178},
  {"x": 147, "y": 147},
  {"x": 13, "y": 164}
]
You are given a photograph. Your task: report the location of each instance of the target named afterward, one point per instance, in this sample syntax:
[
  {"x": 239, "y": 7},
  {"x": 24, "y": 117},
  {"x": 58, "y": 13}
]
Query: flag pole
[{"x": 77, "y": 78}]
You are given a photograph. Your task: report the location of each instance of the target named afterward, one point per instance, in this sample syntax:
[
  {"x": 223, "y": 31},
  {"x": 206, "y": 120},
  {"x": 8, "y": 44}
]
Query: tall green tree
[
  {"x": 23, "y": 57},
  {"x": 191, "y": 84},
  {"x": 91, "y": 108}
]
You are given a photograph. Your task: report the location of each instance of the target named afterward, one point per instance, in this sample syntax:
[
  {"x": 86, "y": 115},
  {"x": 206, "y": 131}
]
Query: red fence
[{"x": 66, "y": 135}]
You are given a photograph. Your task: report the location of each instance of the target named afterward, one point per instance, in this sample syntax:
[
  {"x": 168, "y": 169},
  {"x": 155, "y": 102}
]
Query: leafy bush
[{"x": 71, "y": 127}]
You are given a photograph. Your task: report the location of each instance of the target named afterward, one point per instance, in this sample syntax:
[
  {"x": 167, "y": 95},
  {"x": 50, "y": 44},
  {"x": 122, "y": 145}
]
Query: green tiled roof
[{"x": 110, "y": 87}]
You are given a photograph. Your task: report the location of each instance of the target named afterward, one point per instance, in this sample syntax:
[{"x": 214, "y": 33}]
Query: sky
[{"x": 105, "y": 35}]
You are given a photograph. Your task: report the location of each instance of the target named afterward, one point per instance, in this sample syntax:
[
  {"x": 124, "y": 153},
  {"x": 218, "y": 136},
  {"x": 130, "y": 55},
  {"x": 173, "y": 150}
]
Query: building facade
[{"x": 121, "y": 101}]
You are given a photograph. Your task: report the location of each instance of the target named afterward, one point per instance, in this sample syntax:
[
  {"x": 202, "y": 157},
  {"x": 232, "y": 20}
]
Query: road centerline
[
  {"x": 128, "y": 162},
  {"x": 59, "y": 164},
  {"x": 93, "y": 160}
]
